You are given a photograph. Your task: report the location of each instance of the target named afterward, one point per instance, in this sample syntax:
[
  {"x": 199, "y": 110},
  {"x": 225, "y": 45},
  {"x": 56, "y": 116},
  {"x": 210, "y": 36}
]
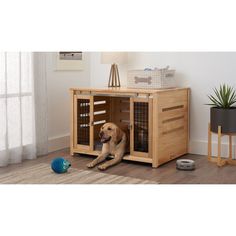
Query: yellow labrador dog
[{"x": 114, "y": 142}]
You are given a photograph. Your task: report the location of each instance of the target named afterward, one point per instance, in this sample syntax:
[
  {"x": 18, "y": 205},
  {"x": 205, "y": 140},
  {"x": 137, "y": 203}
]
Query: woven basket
[{"x": 151, "y": 79}]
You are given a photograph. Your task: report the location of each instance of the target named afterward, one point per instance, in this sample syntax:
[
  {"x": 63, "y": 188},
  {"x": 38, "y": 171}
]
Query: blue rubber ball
[{"x": 60, "y": 165}]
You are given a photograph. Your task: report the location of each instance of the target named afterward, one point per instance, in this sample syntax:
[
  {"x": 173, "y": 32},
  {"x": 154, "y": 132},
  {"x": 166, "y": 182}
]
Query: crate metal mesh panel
[
  {"x": 83, "y": 121},
  {"x": 141, "y": 126}
]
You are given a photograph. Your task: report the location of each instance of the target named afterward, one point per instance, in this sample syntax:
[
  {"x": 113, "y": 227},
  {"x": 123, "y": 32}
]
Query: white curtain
[
  {"x": 17, "y": 110},
  {"x": 41, "y": 101}
]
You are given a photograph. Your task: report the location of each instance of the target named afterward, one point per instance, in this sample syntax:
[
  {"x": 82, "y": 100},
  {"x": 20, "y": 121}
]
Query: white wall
[
  {"x": 58, "y": 84},
  {"x": 201, "y": 71},
  {"x": 99, "y": 73}
]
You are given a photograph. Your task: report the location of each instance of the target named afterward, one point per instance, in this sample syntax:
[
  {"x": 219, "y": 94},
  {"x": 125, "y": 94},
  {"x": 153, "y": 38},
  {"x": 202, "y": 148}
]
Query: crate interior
[
  {"x": 110, "y": 109},
  {"x": 116, "y": 110}
]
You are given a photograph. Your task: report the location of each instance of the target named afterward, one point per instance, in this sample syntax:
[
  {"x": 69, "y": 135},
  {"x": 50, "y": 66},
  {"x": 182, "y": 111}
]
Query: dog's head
[{"x": 110, "y": 132}]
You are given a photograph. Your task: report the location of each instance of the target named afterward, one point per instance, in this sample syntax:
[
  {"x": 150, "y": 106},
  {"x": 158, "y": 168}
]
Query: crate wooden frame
[{"x": 168, "y": 118}]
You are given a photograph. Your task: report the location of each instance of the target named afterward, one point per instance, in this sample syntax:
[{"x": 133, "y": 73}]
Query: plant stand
[{"x": 220, "y": 162}]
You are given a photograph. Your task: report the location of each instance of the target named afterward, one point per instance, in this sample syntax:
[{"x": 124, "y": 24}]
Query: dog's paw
[
  {"x": 102, "y": 167},
  {"x": 90, "y": 165}
]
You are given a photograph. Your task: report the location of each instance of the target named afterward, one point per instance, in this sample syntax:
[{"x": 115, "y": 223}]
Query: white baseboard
[
  {"x": 58, "y": 143},
  {"x": 201, "y": 148},
  {"x": 195, "y": 146}
]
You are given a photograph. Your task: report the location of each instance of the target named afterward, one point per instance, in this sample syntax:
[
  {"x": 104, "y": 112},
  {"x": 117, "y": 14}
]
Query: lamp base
[{"x": 114, "y": 78}]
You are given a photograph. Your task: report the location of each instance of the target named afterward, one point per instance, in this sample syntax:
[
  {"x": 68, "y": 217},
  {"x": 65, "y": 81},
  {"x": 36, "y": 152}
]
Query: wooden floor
[{"x": 205, "y": 173}]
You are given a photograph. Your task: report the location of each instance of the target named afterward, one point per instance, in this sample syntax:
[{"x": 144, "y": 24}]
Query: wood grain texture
[
  {"x": 172, "y": 125},
  {"x": 91, "y": 120},
  {"x": 41, "y": 173},
  {"x": 205, "y": 172},
  {"x": 168, "y": 122}
]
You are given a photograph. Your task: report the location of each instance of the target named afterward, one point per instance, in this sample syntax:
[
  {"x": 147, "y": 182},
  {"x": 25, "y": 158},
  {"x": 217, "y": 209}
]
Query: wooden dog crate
[{"x": 156, "y": 121}]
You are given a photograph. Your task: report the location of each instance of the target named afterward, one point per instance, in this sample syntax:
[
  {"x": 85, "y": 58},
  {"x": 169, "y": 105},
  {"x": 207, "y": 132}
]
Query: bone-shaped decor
[{"x": 147, "y": 80}]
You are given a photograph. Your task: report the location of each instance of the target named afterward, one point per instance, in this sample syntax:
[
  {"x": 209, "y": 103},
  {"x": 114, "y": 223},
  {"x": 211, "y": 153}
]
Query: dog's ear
[{"x": 118, "y": 134}]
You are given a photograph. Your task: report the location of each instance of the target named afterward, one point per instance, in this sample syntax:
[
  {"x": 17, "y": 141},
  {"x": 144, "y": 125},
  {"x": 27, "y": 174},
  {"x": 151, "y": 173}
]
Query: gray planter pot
[{"x": 226, "y": 118}]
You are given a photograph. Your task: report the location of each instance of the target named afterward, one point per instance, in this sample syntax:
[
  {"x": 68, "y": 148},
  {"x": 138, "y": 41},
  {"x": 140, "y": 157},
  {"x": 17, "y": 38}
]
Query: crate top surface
[{"x": 126, "y": 90}]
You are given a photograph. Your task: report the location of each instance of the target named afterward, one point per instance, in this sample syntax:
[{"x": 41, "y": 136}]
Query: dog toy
[{"x": 60, "y": 165}]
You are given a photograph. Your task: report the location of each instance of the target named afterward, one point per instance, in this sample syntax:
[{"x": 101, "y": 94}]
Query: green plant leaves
[{"x": 224, "y": 97}]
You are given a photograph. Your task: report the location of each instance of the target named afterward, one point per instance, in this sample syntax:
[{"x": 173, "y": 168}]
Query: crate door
[
  {"x": 83, "y": 119},
  {"x": 141, "y": 125}
]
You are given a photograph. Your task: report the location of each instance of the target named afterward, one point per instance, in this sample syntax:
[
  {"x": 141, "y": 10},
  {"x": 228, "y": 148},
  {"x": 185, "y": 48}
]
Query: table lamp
[{"x": 115, "y": 59}]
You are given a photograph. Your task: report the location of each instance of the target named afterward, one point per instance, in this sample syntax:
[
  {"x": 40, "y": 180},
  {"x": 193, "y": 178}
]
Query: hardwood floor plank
[{"x": 205, "y": 172}]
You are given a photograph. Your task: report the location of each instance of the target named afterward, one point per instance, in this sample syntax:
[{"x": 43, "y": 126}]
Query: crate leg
[
  {"x": 209, "y": 142},
  {"x": 154, "y": 165}
]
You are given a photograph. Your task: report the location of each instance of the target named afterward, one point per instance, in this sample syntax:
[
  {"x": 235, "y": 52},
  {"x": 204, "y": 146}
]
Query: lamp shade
[{"x": 114, "y": 58}]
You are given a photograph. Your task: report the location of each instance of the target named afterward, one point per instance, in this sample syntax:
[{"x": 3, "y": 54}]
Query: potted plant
[{"x": 223, "y": 111}]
